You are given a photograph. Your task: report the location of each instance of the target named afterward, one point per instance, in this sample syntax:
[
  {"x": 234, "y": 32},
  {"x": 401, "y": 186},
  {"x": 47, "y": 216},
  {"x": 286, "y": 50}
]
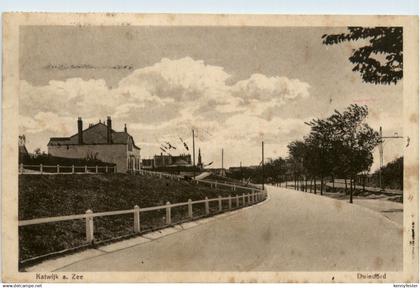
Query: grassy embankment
[{"x": 58, "y": 195}]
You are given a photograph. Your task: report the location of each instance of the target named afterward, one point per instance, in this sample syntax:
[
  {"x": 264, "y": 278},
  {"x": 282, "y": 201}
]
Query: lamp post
[{"x": 262, "y": 155}]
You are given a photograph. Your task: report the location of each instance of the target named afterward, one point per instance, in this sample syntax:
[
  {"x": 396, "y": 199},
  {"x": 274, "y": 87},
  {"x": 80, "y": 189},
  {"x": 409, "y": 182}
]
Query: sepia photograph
[{"x": 286, "y": 148}]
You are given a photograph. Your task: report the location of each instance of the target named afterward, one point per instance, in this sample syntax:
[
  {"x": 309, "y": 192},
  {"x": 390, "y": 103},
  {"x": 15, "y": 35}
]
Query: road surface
[{"x": 292, "y": 231}]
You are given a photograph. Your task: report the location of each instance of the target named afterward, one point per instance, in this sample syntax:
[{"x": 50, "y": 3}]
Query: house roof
[{"x": 95, "y": 134}]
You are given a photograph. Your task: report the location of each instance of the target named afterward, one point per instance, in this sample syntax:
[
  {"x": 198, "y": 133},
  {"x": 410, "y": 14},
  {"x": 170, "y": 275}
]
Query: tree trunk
[
  {"x": 314, "y": 185},
  {"x": 345, "y": 189},
  {"x": 351, "y": 190},
  {"x": 322, "y": 184},
  {"x": 333, "y": 180},
  {"x": 364, "y": 183},
  {"x": 306, "y": 184}
]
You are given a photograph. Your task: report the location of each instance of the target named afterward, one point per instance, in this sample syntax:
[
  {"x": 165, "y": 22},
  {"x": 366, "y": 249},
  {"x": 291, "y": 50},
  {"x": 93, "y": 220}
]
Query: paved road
[{"x": 293, "y": 231}]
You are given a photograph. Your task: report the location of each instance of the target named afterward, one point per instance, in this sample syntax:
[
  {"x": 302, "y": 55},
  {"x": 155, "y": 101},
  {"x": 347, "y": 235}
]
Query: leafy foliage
[
  {"x": 392, "y": 174},
  {"x": 340, "y": 145},
  {"x": 386, "y": 41}
]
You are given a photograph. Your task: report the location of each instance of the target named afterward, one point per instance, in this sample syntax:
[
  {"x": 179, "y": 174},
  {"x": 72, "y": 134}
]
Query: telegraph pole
[
  {"x": 222, "y": 163},
  {"x": 193, "y": 152},
  {"x": 381, "y": 157},
  {"x": 262, "y": 154}
]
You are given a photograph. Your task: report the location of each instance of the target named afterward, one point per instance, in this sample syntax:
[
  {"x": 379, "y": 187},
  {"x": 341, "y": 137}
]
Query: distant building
[
  {"x": 99, "y": 141},
  {"x": 235, "y": 169},
  {"x": 160, "y": 161},
  {"x": 147, "y": 163}
]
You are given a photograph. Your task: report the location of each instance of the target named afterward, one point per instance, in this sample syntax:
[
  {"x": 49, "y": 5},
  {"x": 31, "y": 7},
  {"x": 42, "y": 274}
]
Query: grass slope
[{"x": 58, "y": 195}]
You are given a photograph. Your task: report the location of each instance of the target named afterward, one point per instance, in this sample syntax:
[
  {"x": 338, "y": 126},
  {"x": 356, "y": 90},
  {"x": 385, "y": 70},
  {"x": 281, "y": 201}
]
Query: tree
[
  {"x": 341, "y": 144},
  {"x": 37, "y": 151},
  {"x": 384, "y": 42},
  {"x": 354, "y": 140},
  {"x": 274, "y": 169},
  {"x": 392, "y": 174},
  {"x": 297, "y": 155}
]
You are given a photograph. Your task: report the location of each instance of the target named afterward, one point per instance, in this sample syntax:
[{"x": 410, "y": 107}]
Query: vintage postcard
[{"x": 209, "y": 148}]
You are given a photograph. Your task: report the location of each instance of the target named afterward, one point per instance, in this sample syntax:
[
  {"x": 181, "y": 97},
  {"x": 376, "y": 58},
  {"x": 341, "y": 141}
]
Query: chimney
[
  {"x": 125, "y": 128},
  {"x": 80, "y": 129},
  {"x": 109, "y": 130}
]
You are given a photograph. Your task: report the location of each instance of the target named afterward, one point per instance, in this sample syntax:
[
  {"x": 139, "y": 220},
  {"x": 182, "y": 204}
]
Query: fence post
[
  {"x": 215, "y": 185},
  {"x": 237, "y": 200},
  {"x": 253, "y": 196},
  {"x": 96, "y": 169},
  {"x": 89, "y": 226},
  {"x": 115, "y": 169},
  {"x": 72, "y": 169},
  {"x": 41, "y": 169},
  {"x": 220, "y": 203},
  {"x": 230, "y": 202},
  {"x": 58, "y": 168},
  {"x": 206, "y": 204},
  {"x": 168, "y": 214},
  {"x": 190, "y": 211},
  {"x": 234, "y": 187},
  {"x": 21, "y": 168},
  {"x": 136, "y": 219},
  {"x": 243, "y": 199},
  {"x": 86, "y": 170}
]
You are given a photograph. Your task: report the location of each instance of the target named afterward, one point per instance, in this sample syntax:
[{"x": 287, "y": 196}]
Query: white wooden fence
[
  {"x": 239, "y": 201},
  {"x": 58, "y": 169}
]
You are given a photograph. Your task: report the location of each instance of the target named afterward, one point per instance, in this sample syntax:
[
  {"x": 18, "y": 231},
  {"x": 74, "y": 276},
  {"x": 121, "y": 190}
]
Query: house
[
  {"x": 99, "y": 141},
  {"x": 161, "y": 161}
]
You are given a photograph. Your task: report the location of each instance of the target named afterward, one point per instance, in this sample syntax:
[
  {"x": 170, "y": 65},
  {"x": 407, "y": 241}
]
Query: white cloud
[
  {"x": 165, "y": 100},
  {"x": 263, "y": 88}
]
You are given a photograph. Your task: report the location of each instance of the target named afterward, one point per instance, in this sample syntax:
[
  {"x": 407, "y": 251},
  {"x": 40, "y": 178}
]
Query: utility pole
[
  {"x": 222, "y": 164},
  {"x": 262, "y": 154},
  {"x": 381, "y": 152},
  {"x": 240, "y": 165},
  {"x": 193, "y": 136},
  {"x": 381, "y": 157}
]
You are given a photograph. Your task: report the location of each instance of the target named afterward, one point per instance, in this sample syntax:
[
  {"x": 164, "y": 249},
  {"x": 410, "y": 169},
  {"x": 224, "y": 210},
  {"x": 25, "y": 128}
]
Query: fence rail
[
  {"x": 213, "y": 184},
  {"x": 239, "y": 200},
  {"x": 65, "y": 169}
]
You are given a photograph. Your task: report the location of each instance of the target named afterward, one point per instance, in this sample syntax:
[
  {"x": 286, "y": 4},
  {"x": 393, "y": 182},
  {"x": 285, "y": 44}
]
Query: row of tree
[{"x": 339, "y": 146}]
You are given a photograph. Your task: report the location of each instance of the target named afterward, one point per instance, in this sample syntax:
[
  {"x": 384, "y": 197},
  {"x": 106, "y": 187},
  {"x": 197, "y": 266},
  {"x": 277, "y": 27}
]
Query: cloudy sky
[{"x": 234, "y": 86}]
